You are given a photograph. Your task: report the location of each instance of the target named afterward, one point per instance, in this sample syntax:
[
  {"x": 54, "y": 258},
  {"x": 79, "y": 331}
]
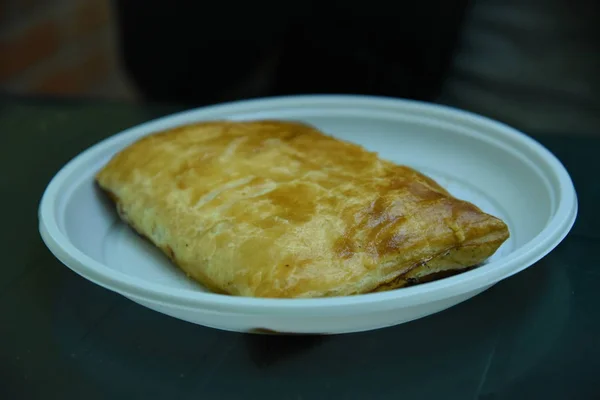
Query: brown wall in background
[{"x": 60, "y": 47}]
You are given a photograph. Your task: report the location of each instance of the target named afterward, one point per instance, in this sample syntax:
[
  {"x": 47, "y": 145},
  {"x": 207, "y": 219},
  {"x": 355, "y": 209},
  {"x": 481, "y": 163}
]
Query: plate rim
[{"x": 553, "y": 233}]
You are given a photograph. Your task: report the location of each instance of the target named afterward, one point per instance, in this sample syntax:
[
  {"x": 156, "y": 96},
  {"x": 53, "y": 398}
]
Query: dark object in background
[{"x": 199, "y": 53}]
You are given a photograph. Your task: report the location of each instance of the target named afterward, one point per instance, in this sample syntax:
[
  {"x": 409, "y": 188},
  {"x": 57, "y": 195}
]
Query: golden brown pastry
[{"x": 279, "y": 209}]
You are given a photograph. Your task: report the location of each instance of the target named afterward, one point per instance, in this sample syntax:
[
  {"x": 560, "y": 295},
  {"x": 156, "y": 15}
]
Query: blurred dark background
[
  {"x": 61, "y": 48},
  {"x": 214, "y": 52},
  {"x": 531, "y": 63}
]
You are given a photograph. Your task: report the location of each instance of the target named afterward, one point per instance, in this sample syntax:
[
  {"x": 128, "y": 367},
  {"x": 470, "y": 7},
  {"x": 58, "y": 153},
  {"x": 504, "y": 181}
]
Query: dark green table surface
[{"x": 533, "y": 336}]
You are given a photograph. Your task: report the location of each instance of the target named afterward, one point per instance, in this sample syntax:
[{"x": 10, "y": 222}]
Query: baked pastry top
[{"x": 280, "y": 209}]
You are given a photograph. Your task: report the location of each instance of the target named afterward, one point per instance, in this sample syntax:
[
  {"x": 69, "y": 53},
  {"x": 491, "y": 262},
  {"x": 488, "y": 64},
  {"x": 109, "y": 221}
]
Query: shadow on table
[{"x": 489, "y": 340}]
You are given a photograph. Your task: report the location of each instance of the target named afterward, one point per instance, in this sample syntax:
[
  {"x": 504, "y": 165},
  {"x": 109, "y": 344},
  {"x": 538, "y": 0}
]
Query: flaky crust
[{"x": 279, "y": 209}]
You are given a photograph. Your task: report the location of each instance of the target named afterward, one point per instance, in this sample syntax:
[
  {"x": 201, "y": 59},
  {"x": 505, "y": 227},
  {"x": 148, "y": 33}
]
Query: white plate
[{"x": 490, "y": 164}]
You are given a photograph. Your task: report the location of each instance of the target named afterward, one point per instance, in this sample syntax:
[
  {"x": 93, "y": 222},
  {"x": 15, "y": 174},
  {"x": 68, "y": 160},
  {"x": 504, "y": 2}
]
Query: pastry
[{"x": 279, "y": 209}]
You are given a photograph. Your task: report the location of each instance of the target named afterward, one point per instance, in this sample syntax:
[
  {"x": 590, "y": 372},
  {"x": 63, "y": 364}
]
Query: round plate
[{"x": 499, "y": 169}]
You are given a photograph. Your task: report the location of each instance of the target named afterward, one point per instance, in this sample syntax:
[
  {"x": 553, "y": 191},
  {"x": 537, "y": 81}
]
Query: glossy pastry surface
[{"x": 279, "y": 209}]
